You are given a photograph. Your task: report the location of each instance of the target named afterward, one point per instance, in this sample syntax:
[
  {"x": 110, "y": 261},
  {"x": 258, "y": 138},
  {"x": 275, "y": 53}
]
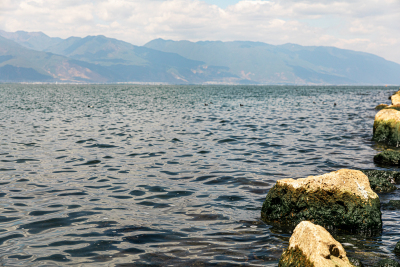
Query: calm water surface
[{"x": 151, "y": 176}]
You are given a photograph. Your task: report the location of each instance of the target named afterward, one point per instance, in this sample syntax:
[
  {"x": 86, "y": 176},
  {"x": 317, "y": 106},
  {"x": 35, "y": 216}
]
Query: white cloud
[{"x": 363, "y": 25}]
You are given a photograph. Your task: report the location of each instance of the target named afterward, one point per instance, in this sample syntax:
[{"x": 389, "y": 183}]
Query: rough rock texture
[
  {"x": 312, "y": 245},
  {"x": 382, "y": 181},
  {"x": 392, "y": 205},
  {"x": 397, "y": 248},
  {"x": 387, "y": 263},
  {"x": 355, "y": 262},
  {"x": 341, "y": 199},
  {"x": 387, "y": 127},
  {"x": 381, "y": 106},
  {"x": 388, "y": 157}
]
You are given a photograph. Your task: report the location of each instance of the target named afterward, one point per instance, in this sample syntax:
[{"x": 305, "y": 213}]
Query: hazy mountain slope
[
  {"x": 100, "y": 59},
  {"x": 33, "y": 40},
  {"x": 134, "y": 63},
  {"x": 264, "y": 63},
  {"x": 18, "y": 64}
]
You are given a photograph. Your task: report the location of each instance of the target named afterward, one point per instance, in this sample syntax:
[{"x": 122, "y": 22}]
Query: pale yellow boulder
[
  {"x": 387, "y": 127},
  {"x": 312, "y": 245},
  {"x": 396, "y": 98}
]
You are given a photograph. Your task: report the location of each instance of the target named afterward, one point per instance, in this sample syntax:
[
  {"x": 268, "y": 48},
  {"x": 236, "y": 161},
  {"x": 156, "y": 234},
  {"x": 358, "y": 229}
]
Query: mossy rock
[
  {"x": 387, "y": 127},
  {"x": 381, "y": 106},
  {"x": 392, "y": 205},
  {"x": 337, "y": 200},
  {"x": 382, "y": 181},
  {"x": 387, "y": 263},
  {"x": 294, "y": 257},
  {"x": 355, "y": 262},
  {"x": 388, "y": 157}
]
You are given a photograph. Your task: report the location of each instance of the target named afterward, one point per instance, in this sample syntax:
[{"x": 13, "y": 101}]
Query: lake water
[{"x": 151, "y": 176}]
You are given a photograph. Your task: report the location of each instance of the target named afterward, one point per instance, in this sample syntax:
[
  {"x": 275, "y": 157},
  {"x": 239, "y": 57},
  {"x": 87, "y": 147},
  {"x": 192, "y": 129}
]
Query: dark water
[{"x": 150, "y": 176}]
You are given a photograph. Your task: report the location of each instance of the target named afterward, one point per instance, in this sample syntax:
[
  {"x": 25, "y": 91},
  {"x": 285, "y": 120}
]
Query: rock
[
  {"x": 387, "y": 263},
  {"x": 397, "y": 248},
  {"x": 392, "y": 176},
  {"x": 355, "y": 262},
  {"x": 392, "y": 205},
  {"x": 396, "y": 107},
  {"x": 342, "y": 199},
  {"x": 388, "y": 157},
  {"x": 382, "y": 181},
  {"x": 381, "y": 106},
  {"x": 312, "y": 245},
  {"x": 387, "y": 126},
  {"x": 395, "y": 98}
]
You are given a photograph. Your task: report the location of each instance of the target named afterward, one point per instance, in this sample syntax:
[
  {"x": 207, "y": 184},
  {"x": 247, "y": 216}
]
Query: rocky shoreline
[{"x": 344, "y": 200}]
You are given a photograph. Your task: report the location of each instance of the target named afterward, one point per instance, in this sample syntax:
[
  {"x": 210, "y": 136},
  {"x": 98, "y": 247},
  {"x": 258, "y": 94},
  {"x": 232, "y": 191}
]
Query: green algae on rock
[
  {"x": 382, "y": 181},
  {"x": 396, "y": 107},
  {"x": 387, "y": 127},
  {"x": 381, "y": 106},
  {"x": 388, "y": 157},
  {"x": 340, "y": 200},
  {"x": 397, "y": 248},
  {"x": 312, "y": 245},
  {"x": 387, "y": 263}
]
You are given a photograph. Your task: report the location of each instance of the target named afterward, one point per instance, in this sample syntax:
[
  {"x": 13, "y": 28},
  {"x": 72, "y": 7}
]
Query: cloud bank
[{"x": 363, "y": 25}]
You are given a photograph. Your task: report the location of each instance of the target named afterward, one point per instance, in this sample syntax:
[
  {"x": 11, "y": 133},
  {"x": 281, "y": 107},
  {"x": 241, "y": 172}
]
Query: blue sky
[
  {"x": 222, "y": 3},
  {"x": 363, "y": 25}
]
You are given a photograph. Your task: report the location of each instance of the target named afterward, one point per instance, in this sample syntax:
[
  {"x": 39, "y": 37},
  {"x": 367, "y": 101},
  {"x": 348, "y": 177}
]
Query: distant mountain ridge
[
  {"x": 36, "y": 57},
  {"x": 288, "y": 63}
]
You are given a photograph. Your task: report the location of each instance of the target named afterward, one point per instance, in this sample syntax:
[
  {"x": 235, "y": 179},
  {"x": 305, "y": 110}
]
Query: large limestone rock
[
  {"x": 387, "y": 127},
  {"x": 312, "y": 245},
  {"x": 342, "y": 199}
]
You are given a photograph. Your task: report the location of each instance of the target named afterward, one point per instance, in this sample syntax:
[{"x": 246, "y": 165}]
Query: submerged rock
[
  {"x": 355, "y": 262},
  {"x": 311, "y": 245},
  {"x": 387, "y": 263},
  {"x": 397, "y": 248},
  {"x": 342, "y": 199},
  {"x": 388, "y": 157},
  {"x": 392, "y": 205},
  {"x": 382, "y": 181},
  {"x": 387, "y": 126}
]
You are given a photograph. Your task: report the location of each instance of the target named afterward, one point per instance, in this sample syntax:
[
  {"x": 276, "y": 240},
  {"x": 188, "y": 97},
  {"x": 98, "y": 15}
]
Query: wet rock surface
[
  {"x": 355, "y": 262},
  {"x": 338, "y": 200},
  {"x": 388, "y": 157},
  {"x": 382, "y": 181},
  {"x": 312, "y": 245},
  {"x": 391, "y": 205},
  {"x": 387, "y": 263}
]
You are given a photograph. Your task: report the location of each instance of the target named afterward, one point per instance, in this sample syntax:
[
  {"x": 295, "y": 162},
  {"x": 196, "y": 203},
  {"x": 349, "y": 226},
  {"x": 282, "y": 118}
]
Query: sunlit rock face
[
  {"x": 387, "y": 127},
  {"x": 312, "y": 245},
  {"x": 395, "y": 98},
  {"x": 338, "y": 200}
]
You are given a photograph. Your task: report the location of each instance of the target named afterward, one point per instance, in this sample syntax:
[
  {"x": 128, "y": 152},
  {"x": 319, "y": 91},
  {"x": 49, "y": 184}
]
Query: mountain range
[{"x": 36, "y": 57}]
